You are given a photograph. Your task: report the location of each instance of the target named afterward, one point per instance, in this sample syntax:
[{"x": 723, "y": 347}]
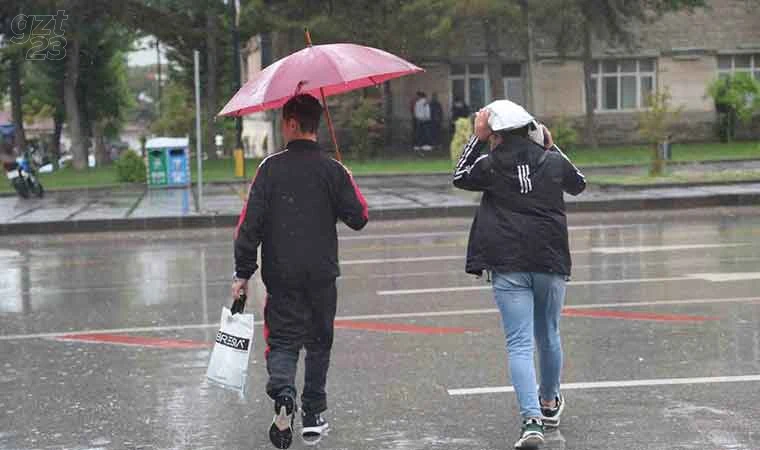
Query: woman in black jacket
[{"x": 520, "y": 236}]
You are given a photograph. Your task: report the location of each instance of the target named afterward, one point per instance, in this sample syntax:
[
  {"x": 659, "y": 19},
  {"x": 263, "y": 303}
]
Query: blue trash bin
[{"x": 178, "y": 167}]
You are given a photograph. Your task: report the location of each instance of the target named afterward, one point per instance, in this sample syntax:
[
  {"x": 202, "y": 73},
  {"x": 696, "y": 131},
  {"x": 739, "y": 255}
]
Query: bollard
[{"x": 239, "y": 163}]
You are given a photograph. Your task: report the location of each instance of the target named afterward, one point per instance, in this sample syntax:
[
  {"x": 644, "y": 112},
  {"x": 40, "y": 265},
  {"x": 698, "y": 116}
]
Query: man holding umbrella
[
  {"x": 294, "y": 202},
  {"x": 520, "y": 237}
]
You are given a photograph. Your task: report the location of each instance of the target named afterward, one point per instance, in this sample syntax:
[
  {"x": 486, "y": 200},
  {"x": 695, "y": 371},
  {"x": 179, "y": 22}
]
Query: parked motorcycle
[{"x": 23, "y": 176}]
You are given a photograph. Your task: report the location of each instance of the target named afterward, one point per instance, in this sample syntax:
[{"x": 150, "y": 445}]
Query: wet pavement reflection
[{"x": 95, "y": 333}]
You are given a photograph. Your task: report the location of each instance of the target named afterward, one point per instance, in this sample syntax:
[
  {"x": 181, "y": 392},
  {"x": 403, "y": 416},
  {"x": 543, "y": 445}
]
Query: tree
[
  {"x": 737, "y": 99},
  {"x": 495, "y": 21},
  {"x": 43, "y": 82},
  {"x": 609, "y": 21},
  {"x": 177, "y": 113},
  {"x": 12, "y": 58},
  {"x": 656, "y": 126},
  {"x": 104, "y": 92}
]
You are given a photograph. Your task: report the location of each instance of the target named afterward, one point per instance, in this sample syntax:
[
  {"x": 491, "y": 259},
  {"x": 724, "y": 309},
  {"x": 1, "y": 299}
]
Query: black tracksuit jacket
[
  {"x": 520, "y": 225},
  {"x": 293, "y": 206}
]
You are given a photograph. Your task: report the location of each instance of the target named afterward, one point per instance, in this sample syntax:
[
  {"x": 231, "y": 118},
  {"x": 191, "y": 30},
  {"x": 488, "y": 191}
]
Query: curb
[
  {"x": 639, "y": 187},
  {"x": 229, "y": 221}
]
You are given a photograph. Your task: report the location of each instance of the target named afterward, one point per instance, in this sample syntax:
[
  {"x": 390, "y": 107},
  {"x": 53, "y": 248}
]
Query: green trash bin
[{"x": 157, "y": 167}]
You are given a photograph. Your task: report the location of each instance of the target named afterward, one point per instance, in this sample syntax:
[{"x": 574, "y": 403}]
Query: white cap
[{"x": 506, "y": 115}]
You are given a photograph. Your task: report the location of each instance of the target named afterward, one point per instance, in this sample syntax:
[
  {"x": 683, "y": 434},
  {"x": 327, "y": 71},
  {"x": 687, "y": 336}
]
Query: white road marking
[
  {"x": 366, "y": 237},
  {"x": 662, "y": 248},
  {"x": 617, "y": 384},
  {"x": 602, "y": 250},
  {"x": 354, "y": 262},
  {"x": 488, "y": 287},
  {"x": 728, "y": 276},
  {"x": 445, "y": 313}
]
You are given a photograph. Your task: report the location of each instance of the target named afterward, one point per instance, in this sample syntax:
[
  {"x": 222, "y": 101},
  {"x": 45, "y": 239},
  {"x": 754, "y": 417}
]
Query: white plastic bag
[{"x": 228, "y": 366}]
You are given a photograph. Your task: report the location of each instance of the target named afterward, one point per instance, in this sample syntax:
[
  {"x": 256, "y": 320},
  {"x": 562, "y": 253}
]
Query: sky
[{"x": 146, "y": 56}]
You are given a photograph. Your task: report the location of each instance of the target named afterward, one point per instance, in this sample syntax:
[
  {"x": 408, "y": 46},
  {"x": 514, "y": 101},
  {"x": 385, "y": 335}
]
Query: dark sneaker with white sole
[
  {"x": 314, "y": 427},
  {"x": 281, "y": 431},
  {"x": 531, "y": 435},
  {"x": 552, "y": 415}
]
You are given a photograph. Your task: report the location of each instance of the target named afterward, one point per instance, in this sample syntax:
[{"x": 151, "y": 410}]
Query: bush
[
  {"x": 130, "y": 167},
  {"x": 737, "y": 99},
  {"x": 366, "y": 127},
  {"x": 462, "y": 133},
  {"x": 563, "y": 133}
]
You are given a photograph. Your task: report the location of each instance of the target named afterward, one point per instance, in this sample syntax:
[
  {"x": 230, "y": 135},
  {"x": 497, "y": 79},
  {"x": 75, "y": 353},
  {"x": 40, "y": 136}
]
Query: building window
[
  {"x": 730, "y": 64},
  {"x": 469, "y": 82},
  {"x": 514, "y": 87},
  {"x": 619, "y": 85}
]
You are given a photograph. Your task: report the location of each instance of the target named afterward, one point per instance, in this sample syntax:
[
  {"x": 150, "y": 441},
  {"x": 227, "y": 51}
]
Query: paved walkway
[{"x": 389, "y": 197}]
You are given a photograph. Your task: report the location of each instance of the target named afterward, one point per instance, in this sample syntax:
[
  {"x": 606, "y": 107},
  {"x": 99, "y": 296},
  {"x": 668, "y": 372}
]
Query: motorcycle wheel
[
  {"x": 21, "y": 188},
  {"x": 37, "y": 189}
]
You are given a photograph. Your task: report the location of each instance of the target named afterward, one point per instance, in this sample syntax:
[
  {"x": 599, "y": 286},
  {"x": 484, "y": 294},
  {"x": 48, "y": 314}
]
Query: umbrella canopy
[{"x": 320, "y": 70}]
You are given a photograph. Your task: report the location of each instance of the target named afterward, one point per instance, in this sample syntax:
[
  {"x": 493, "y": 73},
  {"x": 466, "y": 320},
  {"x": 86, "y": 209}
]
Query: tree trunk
[
  {"x": 55, "y": 145},
  {"x": 101, "y": 158},
  {"x": 14, "y": 77},
  {"x": 493, "y": 63},
  {"x": 530, "y": 53},
  {"x": 211, "y": 101},
  {"x": 388, "y": 113},
  {"x": 59, "y": 116},
  {"x": 588, "y": 65},
  {"x": 71, "y": 101}
]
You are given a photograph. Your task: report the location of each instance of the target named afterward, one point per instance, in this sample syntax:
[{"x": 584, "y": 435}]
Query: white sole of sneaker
[
  {"x": 312, "y": 436},
  {"x": 553, "y": 422},
  {"x": 321, "y": 430},
  {"x": 530, "y": 442}
]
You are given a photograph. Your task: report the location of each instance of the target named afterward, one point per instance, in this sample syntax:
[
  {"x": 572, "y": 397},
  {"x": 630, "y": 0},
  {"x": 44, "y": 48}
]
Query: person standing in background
[
  {"x": 436, "y": 120},
  {"x": 459, "y": 110},
  {"x": 422, "y": 118}
]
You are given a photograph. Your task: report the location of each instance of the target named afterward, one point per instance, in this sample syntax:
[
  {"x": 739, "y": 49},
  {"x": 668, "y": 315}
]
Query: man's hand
[
  {"x": 548, "y": 139},
  {"x": 238, "y": 286},
  {"x": 482, "y": 129}
]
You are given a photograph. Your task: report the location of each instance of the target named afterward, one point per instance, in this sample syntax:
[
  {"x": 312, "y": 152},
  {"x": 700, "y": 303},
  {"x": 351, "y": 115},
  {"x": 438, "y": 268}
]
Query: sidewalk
[{"x": 389, "y": 198}]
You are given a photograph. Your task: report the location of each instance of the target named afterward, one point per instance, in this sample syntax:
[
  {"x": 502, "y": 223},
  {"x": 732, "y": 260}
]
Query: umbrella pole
[
  {"x": 307, "y": 36},
  {"x": 330, "y": 126}
]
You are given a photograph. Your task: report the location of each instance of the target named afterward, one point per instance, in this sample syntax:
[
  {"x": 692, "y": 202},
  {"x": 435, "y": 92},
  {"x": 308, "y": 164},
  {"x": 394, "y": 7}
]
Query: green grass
[
  {"x": 422, "y": 165},
  {"x": 642, "y": 155},
  {"x": 680, "y": 178},
  {"x": 223, "y": 170},
  {"x": 71, "y": 179}
]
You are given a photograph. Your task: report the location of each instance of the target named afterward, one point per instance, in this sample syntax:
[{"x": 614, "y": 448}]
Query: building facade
[{"x": 681, "y": 52}]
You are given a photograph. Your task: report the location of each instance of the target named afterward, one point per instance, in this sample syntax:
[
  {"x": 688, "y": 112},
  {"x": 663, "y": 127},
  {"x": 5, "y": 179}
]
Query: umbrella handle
[
  {"x": 330, "y": 126},
  {"x": 307, "y": 36}
]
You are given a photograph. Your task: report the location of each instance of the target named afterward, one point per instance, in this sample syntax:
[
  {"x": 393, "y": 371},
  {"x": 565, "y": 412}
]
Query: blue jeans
[{"x": 530, "y": 305}]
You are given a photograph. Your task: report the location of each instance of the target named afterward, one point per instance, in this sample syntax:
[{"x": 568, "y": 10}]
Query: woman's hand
[{"x": 482, "y": 129}]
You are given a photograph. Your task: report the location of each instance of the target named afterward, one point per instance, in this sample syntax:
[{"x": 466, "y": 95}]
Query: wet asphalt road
[{"x": 669, "y": 302}]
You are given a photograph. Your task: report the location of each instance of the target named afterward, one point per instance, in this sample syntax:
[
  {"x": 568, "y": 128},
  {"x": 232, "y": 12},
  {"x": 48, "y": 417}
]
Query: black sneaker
[
  {"x": 552, "y": 415},
  {"x": 281, "y": 431},
  {"x": 314, "y": 427},
  {"x": 531, "y": 435}
]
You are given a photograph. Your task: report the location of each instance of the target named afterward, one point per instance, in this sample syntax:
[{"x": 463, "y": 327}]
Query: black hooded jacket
[
  {"x": 295, "y": 201},
  {"x": 520, "y": 225}
]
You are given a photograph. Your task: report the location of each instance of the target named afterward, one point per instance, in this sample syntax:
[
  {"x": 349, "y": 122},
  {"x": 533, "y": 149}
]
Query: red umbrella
[{"x": 320, "y": 70}]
